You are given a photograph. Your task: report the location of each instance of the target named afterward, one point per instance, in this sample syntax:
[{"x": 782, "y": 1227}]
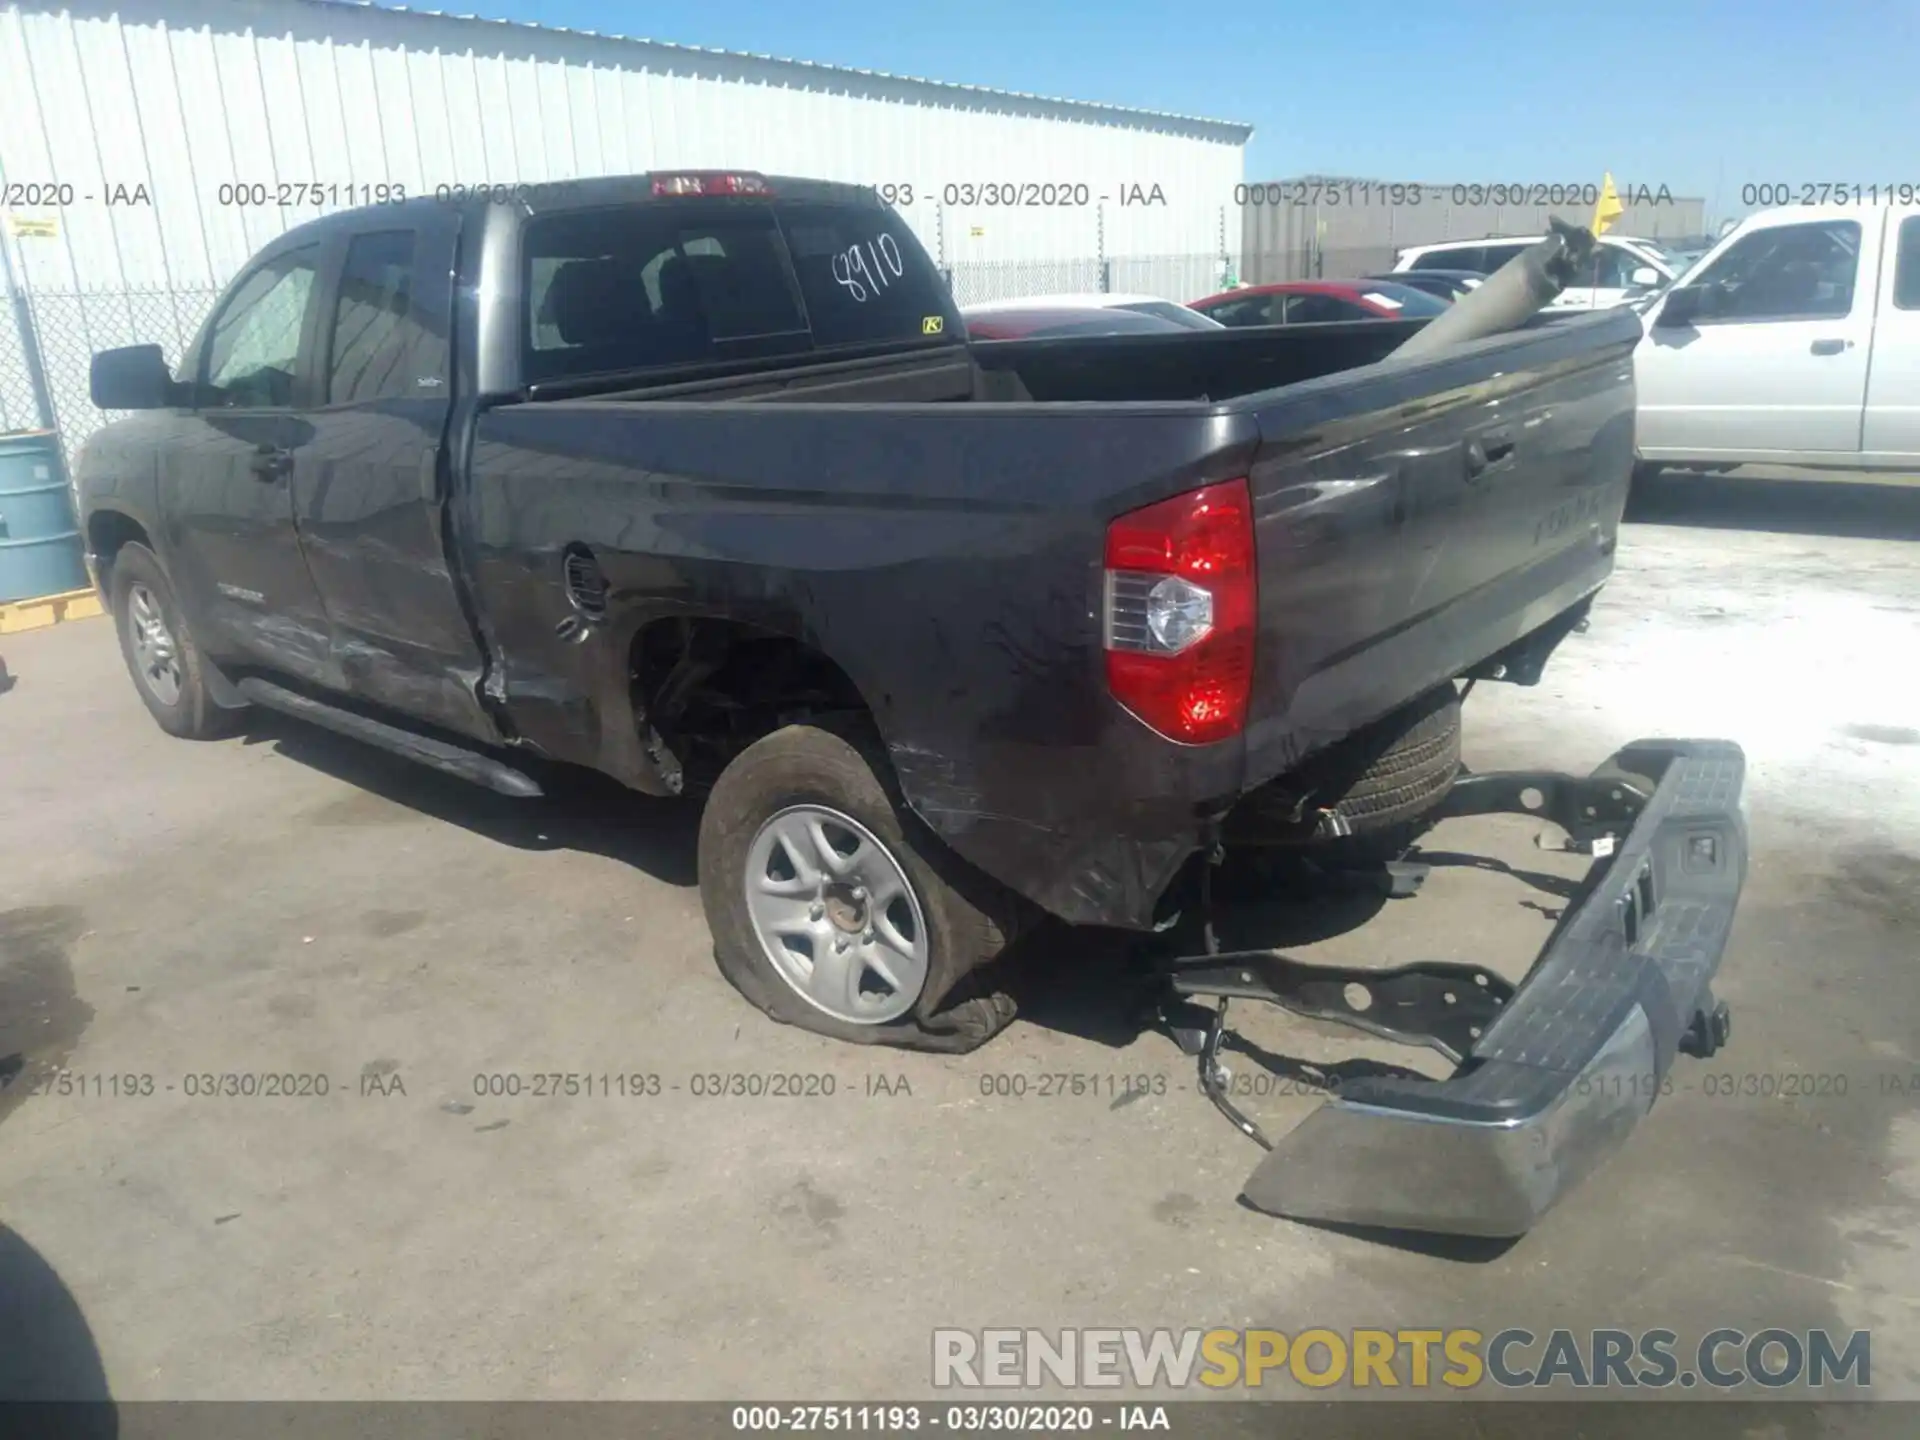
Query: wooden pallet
[{"x": 18, "y": 615}]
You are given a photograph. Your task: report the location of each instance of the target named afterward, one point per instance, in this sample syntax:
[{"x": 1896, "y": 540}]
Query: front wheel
[
  {"x": 834, "y": 909},
  {"x": 165, "y": 662}
]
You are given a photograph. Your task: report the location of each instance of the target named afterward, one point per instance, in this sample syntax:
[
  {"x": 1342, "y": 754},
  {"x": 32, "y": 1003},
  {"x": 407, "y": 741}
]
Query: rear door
[
  {"x": 1892, "y": 426},
  {"x": 371, "y": 470},
  {"x": 225, "y": 473},
  {"x": 1779, "y": 364}
]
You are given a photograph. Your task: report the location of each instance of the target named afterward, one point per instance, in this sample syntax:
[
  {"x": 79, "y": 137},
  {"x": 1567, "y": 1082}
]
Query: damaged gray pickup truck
[{"x": 693, "y": 480}]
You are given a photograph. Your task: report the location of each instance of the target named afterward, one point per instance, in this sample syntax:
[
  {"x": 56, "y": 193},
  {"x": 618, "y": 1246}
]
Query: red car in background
[
  {"x": 1035, "y": 317},
  {"x": 1316, "y": 302}
]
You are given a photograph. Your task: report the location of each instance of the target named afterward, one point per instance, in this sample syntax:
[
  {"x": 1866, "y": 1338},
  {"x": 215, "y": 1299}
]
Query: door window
[
  {"x": 379, "y": 349},
  {"x": 1494, "y": 256},
  {"x": 1906, "y": 269},
  {"x": 1786, "y": 272},
  {"x": 1313, "y": 309},
  {"x": 1253, "y": 310},
  {"x": 1610, "y": 268},
  {"x": 1466, "y": 257},
  {"x": 253, "y": 350}
]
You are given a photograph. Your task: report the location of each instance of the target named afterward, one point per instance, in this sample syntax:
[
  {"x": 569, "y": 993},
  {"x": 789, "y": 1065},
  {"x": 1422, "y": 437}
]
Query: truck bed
[{"x": 942, "y": 546}]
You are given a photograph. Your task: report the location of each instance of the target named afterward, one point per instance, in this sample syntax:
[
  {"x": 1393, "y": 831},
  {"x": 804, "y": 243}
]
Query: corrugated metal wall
[
  {"x": 153, "y": 112},
  {"x": 147, "y": 148},
  {"x": 1291, "y": 229}
]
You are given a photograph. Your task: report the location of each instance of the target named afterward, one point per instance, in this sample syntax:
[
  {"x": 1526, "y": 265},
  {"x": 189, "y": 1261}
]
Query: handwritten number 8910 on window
[{"x": 869, "y": 269}]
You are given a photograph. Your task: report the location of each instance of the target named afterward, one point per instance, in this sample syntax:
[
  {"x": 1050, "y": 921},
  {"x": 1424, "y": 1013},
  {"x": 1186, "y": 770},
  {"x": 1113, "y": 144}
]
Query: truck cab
[{"x": 1794, "y": 341}]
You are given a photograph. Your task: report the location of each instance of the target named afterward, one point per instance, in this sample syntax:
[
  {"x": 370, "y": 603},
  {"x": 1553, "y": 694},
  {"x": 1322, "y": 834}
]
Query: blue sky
[{"x": 1702, "y": 97}]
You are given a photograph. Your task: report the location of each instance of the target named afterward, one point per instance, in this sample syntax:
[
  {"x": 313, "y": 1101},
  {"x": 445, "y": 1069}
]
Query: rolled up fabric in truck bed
[{"x": 1513, "y": 294}]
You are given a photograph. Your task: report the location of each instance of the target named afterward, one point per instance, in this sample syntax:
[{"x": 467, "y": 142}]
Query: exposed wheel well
[
  {"x": 107, "y": 532},
  {"x": 706, "y": 688}
]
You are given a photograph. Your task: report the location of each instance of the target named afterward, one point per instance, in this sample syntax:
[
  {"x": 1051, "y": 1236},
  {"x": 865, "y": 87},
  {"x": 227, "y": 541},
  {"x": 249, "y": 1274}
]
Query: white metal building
[
  {"x": 190, "y": 131},
  {"x": 148, "y": 147}
]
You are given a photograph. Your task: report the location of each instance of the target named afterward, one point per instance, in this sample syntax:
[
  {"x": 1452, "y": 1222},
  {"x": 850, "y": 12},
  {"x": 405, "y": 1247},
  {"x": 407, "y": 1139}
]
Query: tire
[
  {"x": 1379, "y": 781},
  {"x": 960, "y": 919},
  {"x": 140, "y": 593}
]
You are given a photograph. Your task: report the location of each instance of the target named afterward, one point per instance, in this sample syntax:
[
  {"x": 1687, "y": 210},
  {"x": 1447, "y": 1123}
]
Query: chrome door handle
[{"x": 1831, "y": 347}]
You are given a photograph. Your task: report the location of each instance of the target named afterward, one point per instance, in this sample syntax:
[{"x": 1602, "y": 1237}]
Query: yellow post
[{"x": 1608, "y": 209}]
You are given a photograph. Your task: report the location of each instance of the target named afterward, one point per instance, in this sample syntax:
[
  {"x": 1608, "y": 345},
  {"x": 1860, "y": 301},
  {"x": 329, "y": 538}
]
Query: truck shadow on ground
[
  {"x": 1102, "y": 985},
  {"x": 48, "y": 1357},
  {"x": 580, "y": 811},
  {"x": 1742, "y": 501}
]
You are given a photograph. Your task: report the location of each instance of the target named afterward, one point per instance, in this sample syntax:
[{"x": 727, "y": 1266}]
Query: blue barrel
[{"x": 40, "y": 551}]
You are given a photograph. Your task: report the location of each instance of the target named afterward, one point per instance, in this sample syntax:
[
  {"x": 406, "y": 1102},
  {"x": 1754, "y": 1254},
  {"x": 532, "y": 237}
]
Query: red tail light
[
  {"x": 1180, "y": 603},
  {"x": 710, "y": 182}
]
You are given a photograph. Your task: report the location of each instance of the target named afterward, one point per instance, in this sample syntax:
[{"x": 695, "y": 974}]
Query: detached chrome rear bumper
[{"x": 1566, "y": 1063}]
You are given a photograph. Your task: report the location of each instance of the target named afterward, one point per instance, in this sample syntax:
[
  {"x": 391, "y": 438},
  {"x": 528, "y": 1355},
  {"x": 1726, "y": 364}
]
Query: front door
[
  {"x": 226, "y": 473},
  {"x": 1778, "y": 362},
  {"x": 370, "y": 474}
]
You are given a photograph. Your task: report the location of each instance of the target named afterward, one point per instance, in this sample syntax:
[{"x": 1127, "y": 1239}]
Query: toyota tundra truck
[{"x": 694, "y": 479}]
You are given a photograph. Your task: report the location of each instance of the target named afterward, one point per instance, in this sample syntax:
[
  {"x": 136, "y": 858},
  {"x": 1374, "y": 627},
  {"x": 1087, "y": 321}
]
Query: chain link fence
[
  {"x": 1172, "y": 277},
  {"x": 68, "y": 328},
  {"x": 19, "y": 410}
]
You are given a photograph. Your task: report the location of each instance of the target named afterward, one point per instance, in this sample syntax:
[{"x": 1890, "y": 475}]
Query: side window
[
  {"x": 1467, "y": 257},
  {"x": 253, "y": 350},
  {"x": 861, "y": 275},
  {"x": 1787, "y": 272},
  {"x": 634, "y": 289},
  {"x": 1313, "y": 309},
  {"x": 378, "y": 347},
  {"x": 1250, "y": 311},
  {"x": 1609, "y": 269},
  {"x": 1906, "y": 268},
  {"x": 1494, "y": 256}
]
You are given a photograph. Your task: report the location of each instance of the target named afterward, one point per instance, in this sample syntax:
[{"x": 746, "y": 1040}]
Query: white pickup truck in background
[
  {"x": 1794, "y": 341},
  {"x": 1622, "y": 266}
]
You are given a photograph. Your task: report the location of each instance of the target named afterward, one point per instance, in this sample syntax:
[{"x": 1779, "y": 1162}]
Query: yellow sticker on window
[{"x": 933, "y": 325}]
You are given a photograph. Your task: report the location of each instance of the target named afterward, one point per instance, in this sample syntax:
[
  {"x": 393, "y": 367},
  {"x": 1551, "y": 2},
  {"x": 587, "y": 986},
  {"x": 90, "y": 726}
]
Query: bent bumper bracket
[{"x": 1551, "y": 1074}]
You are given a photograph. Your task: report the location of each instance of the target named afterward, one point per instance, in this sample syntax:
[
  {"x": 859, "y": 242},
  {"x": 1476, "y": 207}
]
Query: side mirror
[
  {"x": 134, "y": 377},
  {"x": 1645, "y": 277},
  {"x": 1682, "y": 307}
]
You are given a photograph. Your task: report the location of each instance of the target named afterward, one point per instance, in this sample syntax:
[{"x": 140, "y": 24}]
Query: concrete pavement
[{"x": 289, "y": 905}]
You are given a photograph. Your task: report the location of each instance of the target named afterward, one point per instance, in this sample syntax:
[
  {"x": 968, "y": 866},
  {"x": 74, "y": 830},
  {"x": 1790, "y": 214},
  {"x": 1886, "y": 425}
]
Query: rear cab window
[{"x": 684, "y": 283}]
